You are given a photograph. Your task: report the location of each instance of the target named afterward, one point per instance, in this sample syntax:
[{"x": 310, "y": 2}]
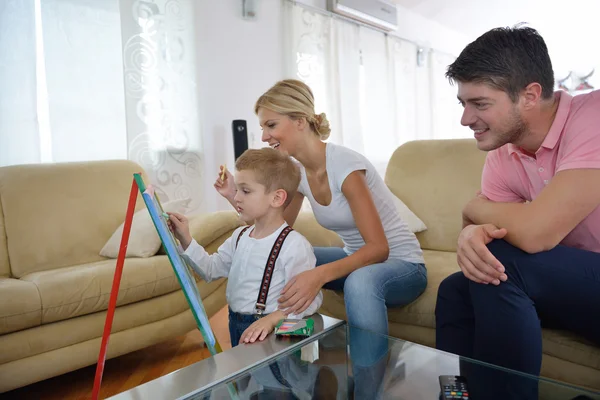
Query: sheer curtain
[
  {"x": 161, "y": 95},
  {"x": 61, "y": 80},
  {"x": 445, "y": 110},
  {"x": 403, "y": 65},
  {"x": 375, "y": 93},
  {"x": 19, "y": 139},
  {"x": 87, "y": 80},
  {"x": 84, "y": 79}
]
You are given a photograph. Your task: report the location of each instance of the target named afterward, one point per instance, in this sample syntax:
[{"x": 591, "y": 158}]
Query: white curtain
[
  {"x": 309, "y": 38},
  {"x": 90, "y": 80},
  {"x": 19, "y": 139},
  {"x": 84, "y": 79},
  {"x": 371, "y": 85},
  {"x": 161, "y": 95},
  {"x": 445, "y": 110},
  {"x": 403, "y": 64},
  {"x": 346, "y": 60}
]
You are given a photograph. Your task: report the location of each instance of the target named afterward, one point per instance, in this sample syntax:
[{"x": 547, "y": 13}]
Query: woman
[{"x": 381, "y": 263}]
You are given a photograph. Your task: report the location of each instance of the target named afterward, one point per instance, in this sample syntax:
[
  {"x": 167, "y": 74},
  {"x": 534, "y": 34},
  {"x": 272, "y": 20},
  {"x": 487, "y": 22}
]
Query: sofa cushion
[
  {"x": 421, "y": 312},
  {"x": 435, "y": 179},
  {"x": 65, "y": 211},
  {"x": 70, "y": 292},
  {"x": 568, "y": 346},
  {"x": 58, "y": 335},
  {"x": 20, "y": 305}
]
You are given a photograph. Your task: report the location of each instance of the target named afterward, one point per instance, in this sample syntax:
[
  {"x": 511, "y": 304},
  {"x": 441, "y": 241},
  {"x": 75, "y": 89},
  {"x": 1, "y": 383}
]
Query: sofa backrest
[
  {"x": 435, "y": 179},
  {"x": 60, "y": 215},
  {"x": 4, "y": 264}
]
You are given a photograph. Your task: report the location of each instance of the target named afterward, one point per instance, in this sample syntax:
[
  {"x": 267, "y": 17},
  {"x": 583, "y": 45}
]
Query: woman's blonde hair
[{"x": 294, "y": 98}]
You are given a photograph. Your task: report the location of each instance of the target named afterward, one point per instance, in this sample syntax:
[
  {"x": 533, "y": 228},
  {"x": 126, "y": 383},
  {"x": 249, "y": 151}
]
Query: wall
[
  {"x": 239, "y": 59},
  {"x": 429, "y": 33},
  {"x": 414, "y": 27}
]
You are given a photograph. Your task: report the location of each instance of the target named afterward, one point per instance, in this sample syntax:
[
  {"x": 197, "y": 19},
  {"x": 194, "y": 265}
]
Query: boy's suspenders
[
  {"x": 240, "y": 235},
  {"x": 263, "y": 292},
  {"x": 261, "y": 301}
]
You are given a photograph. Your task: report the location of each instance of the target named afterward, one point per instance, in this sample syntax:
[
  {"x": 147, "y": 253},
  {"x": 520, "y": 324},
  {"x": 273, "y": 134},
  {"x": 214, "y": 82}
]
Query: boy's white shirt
[{"x": 244, "y": 267}]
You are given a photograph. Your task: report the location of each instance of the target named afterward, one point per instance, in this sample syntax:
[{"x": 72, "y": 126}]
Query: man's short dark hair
[{"x": 507, "y": 59}]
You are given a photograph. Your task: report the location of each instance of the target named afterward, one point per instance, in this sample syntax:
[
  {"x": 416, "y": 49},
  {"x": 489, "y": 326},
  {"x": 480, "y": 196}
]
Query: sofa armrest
[{"x": 307, "y": 225}]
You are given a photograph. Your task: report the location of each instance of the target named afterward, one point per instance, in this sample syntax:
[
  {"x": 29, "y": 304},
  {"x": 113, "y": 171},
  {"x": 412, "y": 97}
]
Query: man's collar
[{"x": 562, "y": 112}]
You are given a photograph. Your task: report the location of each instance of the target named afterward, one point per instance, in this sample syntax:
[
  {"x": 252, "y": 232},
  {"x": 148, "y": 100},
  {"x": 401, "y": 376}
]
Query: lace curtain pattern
[
  {"x": 94, "y": 80},
  {"x": 160, "y": 95}
]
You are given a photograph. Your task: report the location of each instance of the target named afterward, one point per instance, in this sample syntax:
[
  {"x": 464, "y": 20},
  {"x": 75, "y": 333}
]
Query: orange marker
[{"x": 223, "y": 176}]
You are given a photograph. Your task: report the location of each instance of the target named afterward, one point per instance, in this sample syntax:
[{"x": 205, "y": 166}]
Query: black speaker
[{"x": 240, "y": 136}]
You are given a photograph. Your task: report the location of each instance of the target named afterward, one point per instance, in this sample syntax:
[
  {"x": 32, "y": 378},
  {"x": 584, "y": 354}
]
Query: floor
[{"x": 130, "y": 370}]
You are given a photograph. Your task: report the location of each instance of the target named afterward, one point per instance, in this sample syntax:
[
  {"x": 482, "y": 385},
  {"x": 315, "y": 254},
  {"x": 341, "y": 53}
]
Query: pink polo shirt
[{"x": 573, "y": 142}]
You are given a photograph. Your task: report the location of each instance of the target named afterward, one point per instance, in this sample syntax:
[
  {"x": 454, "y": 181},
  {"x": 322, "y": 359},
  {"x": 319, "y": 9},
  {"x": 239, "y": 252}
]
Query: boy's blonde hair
[
  {"x": 294, "y": 98},
  {"x": 273, "y": 170}
]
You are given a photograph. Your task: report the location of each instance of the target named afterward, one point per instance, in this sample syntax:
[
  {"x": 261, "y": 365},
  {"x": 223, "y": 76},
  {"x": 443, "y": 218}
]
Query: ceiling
[{"x": 571, "y": 30}]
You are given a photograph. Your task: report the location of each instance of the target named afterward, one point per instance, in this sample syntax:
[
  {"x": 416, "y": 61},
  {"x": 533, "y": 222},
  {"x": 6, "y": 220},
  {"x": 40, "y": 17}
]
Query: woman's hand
[
  {"x": 179, "y": 225},
  {"x": 225, "y": 185},
  {"x": 300, "y": 292},
  {"x": 260, "y": 329}
]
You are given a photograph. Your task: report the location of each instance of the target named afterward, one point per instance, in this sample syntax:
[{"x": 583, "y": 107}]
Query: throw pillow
[
  {"x": 414, "y": 223},
  {"x": 143, "y": 239}
]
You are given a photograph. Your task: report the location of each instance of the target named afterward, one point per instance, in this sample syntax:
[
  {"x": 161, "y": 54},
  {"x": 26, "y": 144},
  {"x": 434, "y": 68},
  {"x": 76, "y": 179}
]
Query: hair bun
[{"x": 322, "y": 126}]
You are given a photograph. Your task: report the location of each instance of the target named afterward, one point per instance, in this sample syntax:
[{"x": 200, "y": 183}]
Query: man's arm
[{"x": 542, "y": 224}]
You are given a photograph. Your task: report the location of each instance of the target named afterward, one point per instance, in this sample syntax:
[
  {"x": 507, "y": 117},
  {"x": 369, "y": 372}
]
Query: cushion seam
[
  {"x": 104, "y": 294},
  {"x": 16, "y": 315}
]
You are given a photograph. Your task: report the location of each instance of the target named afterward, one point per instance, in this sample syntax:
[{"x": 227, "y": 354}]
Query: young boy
[{"x": 266, "y": 181}]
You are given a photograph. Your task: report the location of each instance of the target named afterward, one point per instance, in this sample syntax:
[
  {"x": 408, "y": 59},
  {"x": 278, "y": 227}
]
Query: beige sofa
[
  {"x": 54, "y": 287},
  {"x": 435, "y": 179}
]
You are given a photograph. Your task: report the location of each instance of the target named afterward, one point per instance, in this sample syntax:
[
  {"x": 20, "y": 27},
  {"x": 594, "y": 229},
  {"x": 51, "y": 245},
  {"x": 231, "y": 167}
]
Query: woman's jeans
[{"x": 368, "y": 292}]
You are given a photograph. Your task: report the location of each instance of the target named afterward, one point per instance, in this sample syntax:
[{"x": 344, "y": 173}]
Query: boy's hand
[
  {"x": 261, "y": 328},
  {"x": 225, "y": 186},
  {"x": 179, "y": 225}
]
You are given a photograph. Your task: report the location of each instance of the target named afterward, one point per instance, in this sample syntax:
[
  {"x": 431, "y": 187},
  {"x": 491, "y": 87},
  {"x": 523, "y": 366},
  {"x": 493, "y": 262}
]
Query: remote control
[{"x": 454, "y": 387}]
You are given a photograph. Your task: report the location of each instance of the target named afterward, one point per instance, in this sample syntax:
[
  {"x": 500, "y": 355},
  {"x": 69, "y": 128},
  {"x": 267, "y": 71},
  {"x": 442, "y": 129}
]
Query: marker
[
  {"x": 165, "y": 215},
  {"x": 223, "y": 173}
]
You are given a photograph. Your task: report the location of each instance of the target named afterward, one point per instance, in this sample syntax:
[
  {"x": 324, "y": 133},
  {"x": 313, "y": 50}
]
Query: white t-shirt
[
  {"x": 337, "y": 216},
  {"x": 244, "y": 267}
]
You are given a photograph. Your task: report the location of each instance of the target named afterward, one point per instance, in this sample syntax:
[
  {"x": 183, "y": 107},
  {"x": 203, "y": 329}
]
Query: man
[{"x": 530, "y": 244}]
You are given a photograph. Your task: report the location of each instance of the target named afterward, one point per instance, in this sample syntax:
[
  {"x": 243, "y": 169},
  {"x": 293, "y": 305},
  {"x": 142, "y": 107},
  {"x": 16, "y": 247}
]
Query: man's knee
[
  {"x": 504, "y": 251},
  {"x": 452, "y": 286}
]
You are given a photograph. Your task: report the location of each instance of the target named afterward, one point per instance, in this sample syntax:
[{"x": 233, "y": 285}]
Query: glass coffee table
[{"x": 320, "y": 367}]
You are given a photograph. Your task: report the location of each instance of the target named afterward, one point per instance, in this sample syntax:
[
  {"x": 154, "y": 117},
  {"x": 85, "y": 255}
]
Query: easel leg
[{"x": 115, "y": 289}]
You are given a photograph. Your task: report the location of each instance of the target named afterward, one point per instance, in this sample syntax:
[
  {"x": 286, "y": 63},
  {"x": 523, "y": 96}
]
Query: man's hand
[
  {"x": 261, "y": 328},
  {"x": 475, "y": 260}
]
